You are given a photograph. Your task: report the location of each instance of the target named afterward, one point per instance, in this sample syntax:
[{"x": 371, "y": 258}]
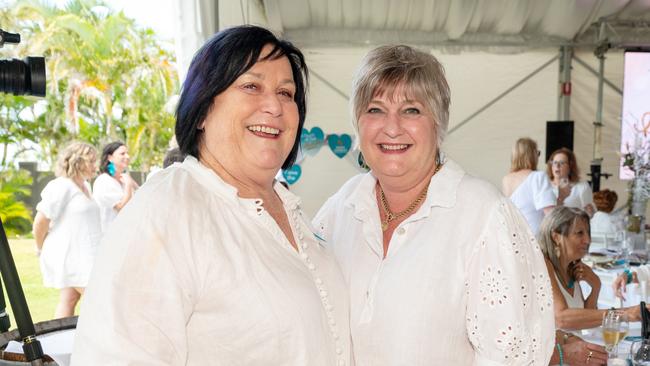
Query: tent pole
[{"x": 564, "y": 96}]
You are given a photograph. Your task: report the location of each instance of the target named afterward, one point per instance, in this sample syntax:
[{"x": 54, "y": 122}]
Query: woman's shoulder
[{"x": 59, "y": 185}]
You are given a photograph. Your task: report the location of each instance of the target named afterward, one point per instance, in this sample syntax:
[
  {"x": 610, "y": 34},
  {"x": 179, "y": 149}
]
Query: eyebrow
[{"x": 261, "y": 76}]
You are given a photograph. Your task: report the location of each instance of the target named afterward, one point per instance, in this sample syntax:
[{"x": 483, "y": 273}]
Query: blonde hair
[
  {"x": 524, "y": 155},
  {"x": 74, "y": 159},
  {"x": 386, "y": 68}
]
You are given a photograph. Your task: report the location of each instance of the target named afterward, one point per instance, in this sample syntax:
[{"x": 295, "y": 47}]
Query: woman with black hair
[
  {"x": 114, "y": 187},
  {"x": 214, "y": 262}
]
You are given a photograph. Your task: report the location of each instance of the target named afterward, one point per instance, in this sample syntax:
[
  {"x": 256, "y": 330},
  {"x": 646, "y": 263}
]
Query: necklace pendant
[{"x": 384, "y": 226}]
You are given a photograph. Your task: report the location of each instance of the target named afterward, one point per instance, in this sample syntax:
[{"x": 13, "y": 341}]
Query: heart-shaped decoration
[
  {"x": 312, "y": 141},
  {"x": 340, "y": 145},
  {"x": 292, "y": 174}
]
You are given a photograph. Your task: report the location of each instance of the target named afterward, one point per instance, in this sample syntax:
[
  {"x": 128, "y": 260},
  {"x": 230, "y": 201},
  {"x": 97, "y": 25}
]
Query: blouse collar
[
  {"x": 216, "y": 184},
  {"x": 441, "y": 192}
]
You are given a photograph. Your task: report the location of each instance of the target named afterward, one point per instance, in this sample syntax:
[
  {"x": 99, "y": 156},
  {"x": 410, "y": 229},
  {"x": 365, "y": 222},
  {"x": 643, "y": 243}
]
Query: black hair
[
  {"x": 107, "y": 151},
  {"x": 173, "y": 156},
  {"x": 221, "y": 60}
]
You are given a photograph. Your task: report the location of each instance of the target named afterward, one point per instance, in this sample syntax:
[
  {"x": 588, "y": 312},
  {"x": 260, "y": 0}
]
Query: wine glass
[{"x": 615, "y": 327}]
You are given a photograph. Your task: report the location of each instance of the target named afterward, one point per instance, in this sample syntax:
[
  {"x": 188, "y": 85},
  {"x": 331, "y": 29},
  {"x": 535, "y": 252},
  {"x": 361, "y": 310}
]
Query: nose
[
  {"x": 271, "y": 104},
  {"x": 392, "y": 126}
]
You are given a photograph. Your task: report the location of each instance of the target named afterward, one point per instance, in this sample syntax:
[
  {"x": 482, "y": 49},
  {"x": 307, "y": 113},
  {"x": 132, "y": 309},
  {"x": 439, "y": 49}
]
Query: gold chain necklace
[{"x": 390, "y": 216}]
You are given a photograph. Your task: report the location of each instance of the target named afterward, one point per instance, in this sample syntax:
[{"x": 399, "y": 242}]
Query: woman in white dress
[
  {"x": 564, "y": 239},
  {"x": 213, "y": 262},
  {"x": 67, "y": 228},
  {"x": 442, "y": 269},
  {"x": 528, "y": 189},
  {"x": 114, "y": 187},
  {"x": 562, "y": 170}
]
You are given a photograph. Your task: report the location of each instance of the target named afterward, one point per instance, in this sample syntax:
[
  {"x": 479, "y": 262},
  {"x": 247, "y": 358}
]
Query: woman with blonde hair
[
  {"x": 67, "y": 227},
  {"x": 529, "y": 189},
  {"x": 441, "y": 268}
]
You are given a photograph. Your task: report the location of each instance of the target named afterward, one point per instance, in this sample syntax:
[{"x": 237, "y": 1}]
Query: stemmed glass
[{"x": 615, "y": 327}]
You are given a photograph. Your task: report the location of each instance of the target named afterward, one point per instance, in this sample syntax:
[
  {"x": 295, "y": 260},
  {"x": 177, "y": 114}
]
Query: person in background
[
  {"x": 601, "y": 221},
  {"x": 67, "y": 227},
  {"x": 562, "y": 170},
  {"x": 441, "y": 268},
  {"x": 214, "y": 262},
  {"x": 528, "y": 189},
  {"x": 564, "y": 239},
  {"x": 114, "y": 187},
  {"x": 173, "y": 155}
]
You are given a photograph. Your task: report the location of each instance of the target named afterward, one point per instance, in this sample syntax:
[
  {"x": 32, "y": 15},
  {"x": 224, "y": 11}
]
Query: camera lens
[{"x": 20, "y": 77}]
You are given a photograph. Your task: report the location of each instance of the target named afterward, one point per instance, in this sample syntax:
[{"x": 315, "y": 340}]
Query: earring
[
  {"x": 110, "y": 168},
  {"x": 557, "y": 251}
]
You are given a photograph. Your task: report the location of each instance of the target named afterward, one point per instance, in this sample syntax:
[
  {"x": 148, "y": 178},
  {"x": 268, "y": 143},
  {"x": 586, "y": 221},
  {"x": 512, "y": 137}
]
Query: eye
[
  {"x": 373, "y": 110},
  {"x": 286, "y": 93},
  {"x": 250, "y": 86},
  {"x": 412, "y": 110}
]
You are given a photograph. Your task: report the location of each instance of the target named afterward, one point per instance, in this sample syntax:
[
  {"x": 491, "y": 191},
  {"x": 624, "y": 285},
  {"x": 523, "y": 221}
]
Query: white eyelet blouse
[{"x": 463, "y": 283}]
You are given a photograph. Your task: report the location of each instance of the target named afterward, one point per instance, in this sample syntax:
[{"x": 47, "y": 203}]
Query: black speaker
[{"x": 558, "y": 134}]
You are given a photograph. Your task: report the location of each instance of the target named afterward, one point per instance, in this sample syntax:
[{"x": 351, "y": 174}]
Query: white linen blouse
[
  {"x": 108, "y": 192},
  {"x": 195, "y": 275},
  {"x": 579, "y": 197},
  {"x": 463, "y": 283}
]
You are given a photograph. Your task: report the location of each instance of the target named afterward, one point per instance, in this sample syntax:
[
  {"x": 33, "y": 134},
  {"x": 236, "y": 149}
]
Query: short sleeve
[
  {"x": 509, "y": 316},
  {"x": 543, "y": 191},
  {"x": 54, "y": 197}
]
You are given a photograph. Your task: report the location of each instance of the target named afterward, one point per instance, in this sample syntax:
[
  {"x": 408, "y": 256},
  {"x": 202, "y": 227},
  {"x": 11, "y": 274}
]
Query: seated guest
[
  {"x": 529, "y": 189},
  {"x": 601, "y": 222},
  {"x": 564, "y": 239}
]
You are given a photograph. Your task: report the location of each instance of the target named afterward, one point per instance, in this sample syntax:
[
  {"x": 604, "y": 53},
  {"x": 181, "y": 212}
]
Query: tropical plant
[
  {"x": 15, "y": 186},
  {"x": 107, "y": 78}
]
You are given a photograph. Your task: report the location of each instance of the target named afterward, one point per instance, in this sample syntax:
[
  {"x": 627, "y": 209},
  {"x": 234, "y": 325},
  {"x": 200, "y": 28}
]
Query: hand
[
  {"x": 589, "y": 209},
  {"x": 576, "y": 353},
  {"x": 633, "y": 313},
  {"x": 583, "y": 272},
  {"x": 619, "y": 286},
  {"x": 129, "y": 183}
]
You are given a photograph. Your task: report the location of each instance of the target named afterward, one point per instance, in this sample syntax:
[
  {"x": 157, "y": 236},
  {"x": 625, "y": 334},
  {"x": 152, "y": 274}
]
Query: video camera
[{"x": 20, "y": 77}]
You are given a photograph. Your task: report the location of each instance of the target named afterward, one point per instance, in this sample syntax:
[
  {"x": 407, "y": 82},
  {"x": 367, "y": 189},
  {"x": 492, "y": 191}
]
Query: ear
[{"x": 557, "y": 238}]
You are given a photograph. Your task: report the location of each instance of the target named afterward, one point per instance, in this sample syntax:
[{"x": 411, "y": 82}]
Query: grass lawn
[{"x": 41, "y": 301}]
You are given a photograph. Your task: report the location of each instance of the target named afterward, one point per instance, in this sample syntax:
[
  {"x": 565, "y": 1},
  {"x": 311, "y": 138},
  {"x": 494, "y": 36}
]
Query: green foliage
[
  {"x": 14, "y": 187},
  {"x": 106, "y": 80}
]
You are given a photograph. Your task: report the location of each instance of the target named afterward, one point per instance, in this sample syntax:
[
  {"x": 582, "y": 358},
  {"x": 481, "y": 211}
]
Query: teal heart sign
[
  {"x": 292, "y": 174},
  {"x": 340, "y": 145},
  {"x": 312, "y": 141}
]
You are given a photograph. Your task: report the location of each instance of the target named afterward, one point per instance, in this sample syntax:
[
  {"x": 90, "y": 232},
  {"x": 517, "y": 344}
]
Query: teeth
[
  {"x": 265, "y": 129},
  {"x": 393, "y": 147}
]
